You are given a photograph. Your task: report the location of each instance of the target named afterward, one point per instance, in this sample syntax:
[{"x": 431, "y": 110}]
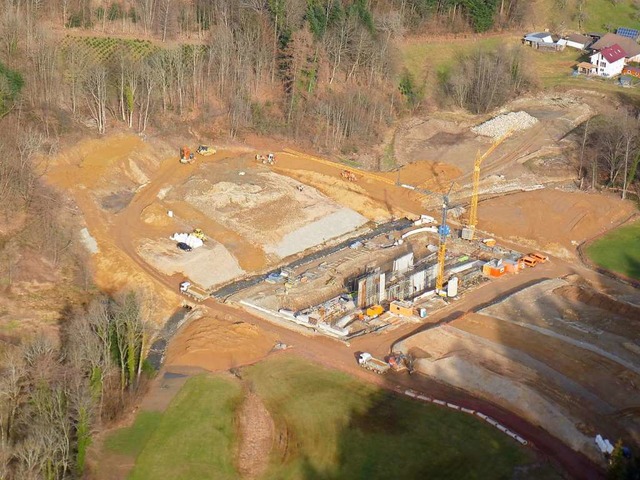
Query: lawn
[
  {"x": 425, "y": 59},
  {"x": 193, "y": 439},
  {"x": 619, "y": 251},
  {"x": 328, "y": 426},
  {"x": 338, "y": 427}
]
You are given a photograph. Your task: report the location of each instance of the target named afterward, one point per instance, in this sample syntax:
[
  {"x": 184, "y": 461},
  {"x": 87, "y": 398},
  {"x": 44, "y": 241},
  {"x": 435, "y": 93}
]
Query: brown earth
[
  {"x": 216, "y": 344},
  {"x": 256, "y": 430},
  {"x": 554, "y": 221}
]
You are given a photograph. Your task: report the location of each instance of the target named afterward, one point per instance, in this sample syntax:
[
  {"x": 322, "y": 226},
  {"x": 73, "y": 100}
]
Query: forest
[{"x": 325, "y": 71}]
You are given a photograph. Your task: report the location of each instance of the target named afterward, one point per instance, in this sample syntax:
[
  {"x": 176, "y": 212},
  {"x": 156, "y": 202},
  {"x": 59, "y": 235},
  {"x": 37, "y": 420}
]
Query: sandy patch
[
  {"x": 215, "y": 344},
  {"x": 206, "y": 266}
]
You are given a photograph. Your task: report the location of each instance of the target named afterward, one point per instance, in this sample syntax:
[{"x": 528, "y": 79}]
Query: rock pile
[{"x": 502, "y": 124}]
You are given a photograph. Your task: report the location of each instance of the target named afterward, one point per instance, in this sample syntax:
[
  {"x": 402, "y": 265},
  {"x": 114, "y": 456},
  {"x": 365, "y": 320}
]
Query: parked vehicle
[
  {"x": 197, "y": 293},
  {"x": 529, "y": 261},
  {"x": 184, "y": 246},
  {"x": 368, "y": 361},
  {"x": 206, "y": 150},
  {"x": 399, "y": 362}
]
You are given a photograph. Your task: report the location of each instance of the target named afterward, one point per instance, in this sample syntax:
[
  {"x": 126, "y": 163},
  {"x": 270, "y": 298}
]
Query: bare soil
[
  {"x": 256, "y": 430},
  {"x": 216, "y": 344},
  {"x": 555, "y": 221}
]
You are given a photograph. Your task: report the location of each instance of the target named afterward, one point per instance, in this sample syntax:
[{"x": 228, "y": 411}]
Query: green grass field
[
  {"x": 328, "y": 426},
  {"x": 619, "y": 251},
  {"x": 339, "y": 427},
  {"x": 193, "y": 439}
]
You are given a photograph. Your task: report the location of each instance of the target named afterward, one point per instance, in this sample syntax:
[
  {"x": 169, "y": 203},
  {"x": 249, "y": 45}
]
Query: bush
[{"x": 484, "y": 80}]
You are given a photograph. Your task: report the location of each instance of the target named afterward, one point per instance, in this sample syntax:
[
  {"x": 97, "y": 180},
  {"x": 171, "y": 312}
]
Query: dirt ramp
[
  {"x": 599, "y": 300},
  {"x": 216, "y": 344}
]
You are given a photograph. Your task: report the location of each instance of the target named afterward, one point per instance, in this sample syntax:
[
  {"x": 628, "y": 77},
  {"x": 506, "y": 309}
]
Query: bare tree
[{"x": 95, "y": 92}]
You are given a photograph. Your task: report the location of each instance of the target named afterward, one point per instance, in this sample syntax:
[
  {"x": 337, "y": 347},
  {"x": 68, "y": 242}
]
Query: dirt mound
[
  {"x": 552, "y": 220},
  {"x": 155, "y": 215},
  {"x": 599, "y": 300},
  {"x": 256, "y": 433},
  {"x": 215, "y": 344}
]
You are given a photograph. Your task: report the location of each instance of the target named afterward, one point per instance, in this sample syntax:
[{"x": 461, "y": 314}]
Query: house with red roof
[{"x": 609, "y": 61}]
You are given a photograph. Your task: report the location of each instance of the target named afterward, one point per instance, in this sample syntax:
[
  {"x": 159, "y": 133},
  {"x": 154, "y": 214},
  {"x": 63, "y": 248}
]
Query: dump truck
[
  {"x": 191, "y": 290},
  {"x": 206, "y": 150},
  {"x": 368, "y": 361}
]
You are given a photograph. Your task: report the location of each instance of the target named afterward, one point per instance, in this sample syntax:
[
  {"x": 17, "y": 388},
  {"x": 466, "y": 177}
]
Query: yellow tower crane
[
  {"x": 444, "y": 231},
  {"x": 469, "y": 231}
]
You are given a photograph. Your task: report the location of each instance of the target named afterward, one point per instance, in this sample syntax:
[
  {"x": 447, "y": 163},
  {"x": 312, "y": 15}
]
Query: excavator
[{"x": 186, "y": 156}]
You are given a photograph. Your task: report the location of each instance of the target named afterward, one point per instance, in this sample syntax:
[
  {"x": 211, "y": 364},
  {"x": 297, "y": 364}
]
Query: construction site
[{"x": 462, "y": 257}]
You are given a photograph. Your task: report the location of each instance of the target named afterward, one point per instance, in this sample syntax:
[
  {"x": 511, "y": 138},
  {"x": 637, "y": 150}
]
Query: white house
[
  {"x": 575, "y": 40},
  {"x": 609, "y": 61},
  {"x": 631, "y": 48}
]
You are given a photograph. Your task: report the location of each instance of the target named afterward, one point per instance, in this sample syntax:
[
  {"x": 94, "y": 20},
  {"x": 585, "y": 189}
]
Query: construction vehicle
[
  {"x": 198, "y": 233},
  {"x": 469, "y": 231},
  {"x": 375, "y": 311},
  {"x": 443, "y": 231},
  {"x": 349, "y": 176},
  {"x": 186, "y": 156},
  {"x": 399, "y": 362},
  {"x": 268, "y": 160},
  {"x": 368, "y": 361},
  {"x": 197, "y": 293},
  {"x": 529, "y": 261},
  {"x": 205, "y": 150}
]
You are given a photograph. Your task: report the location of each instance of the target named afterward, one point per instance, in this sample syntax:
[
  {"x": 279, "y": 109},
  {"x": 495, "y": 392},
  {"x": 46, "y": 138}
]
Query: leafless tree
[{"x": 95, "y": 93}]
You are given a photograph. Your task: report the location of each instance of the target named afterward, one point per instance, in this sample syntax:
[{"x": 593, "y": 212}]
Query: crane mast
[
  {"x": 444, "y": 231},
  {"x": 469, "y": 231}
]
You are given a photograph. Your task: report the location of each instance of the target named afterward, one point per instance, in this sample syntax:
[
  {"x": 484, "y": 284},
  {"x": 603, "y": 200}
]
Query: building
[
  {"x": 633, "y": 71},
  {"x": 631, "y": 48},
  {"x": 532, "y": 39},
  {"x": 609, "y": 61},
  {"x": 586, "y": 68},
  {"x": 575, "y": 40},
  {"x": 494, "y": 268}
]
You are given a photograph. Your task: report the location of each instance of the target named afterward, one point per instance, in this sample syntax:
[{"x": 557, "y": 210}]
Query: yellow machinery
[
  {"x": 206, "y": 150},
  {"x": 468, "y": 232},
  {"x": 444, "y": 231},
  {"x": 199, "y": 234}
]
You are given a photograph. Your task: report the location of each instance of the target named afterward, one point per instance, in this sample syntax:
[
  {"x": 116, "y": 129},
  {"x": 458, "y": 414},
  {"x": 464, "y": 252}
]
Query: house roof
[
  {"x": 537, "y": 37},
  {"x": 613, "y": 53},
  {"x": 628, "y": 45},
  {"x": 577, "y": 38}
]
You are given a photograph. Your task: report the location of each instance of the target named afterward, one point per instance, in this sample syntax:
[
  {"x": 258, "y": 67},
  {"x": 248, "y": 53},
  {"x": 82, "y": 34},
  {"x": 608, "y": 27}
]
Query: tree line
[
  {"x": 323, "y": 70},
  {"x": 53, "y": 396}
]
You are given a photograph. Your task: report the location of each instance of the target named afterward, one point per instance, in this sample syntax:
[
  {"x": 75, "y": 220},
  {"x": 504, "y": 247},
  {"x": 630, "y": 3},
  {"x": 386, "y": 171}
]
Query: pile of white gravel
[{"x": 502, "y": 124}]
